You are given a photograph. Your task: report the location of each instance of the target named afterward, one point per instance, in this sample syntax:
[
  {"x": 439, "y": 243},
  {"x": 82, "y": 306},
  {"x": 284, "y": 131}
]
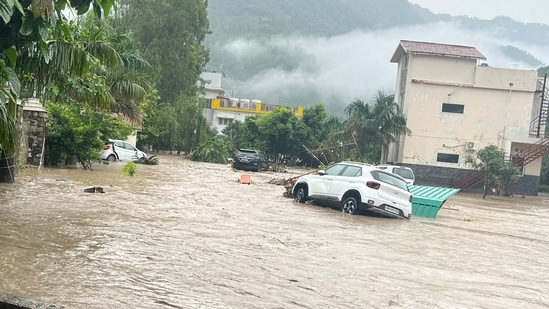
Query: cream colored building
[{"x": 456, "y": 104}]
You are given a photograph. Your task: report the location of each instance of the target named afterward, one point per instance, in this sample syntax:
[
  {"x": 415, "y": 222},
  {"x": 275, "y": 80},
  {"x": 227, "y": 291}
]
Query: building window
[
  {"x": 447, "y": 158},
  {"x": 224, "y": 121},
  {"x": 453, "y": 108}
]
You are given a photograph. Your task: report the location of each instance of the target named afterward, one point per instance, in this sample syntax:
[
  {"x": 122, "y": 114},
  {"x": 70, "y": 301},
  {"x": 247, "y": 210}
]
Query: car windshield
[
  {"x": 249, "y": 153},
  {"x": 403, "y": 172}
]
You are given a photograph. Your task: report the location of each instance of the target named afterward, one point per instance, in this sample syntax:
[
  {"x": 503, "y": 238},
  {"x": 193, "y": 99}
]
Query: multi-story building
[
  {"x": 221, "y": 109},
  {"x": 456, "y": 104}
]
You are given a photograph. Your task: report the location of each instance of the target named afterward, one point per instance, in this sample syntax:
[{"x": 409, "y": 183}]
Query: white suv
[{"x": 351, "y": 185}]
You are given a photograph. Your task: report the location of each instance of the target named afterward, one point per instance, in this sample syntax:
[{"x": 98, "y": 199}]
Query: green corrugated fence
[{"x": 427, "y": 200}]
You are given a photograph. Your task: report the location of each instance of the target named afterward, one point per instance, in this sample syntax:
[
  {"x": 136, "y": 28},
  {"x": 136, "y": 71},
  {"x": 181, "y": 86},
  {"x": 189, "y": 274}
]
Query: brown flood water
[{"x": 184, "y": 234}]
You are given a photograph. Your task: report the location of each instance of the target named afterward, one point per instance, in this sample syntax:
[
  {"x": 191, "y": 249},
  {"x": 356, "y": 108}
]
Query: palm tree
[
  {"x": 92, "y": 65},
  {"x": 375, "y": 125},
  {"x": 7, "y": 109},
  {"x": 33, "y": 38},
  {"x": 391, "y": 122},
  {"x": 359, "y": 123}
]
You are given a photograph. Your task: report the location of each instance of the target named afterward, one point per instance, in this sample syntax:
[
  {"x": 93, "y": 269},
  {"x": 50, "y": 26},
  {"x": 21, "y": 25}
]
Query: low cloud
[{"x": 336, "y": 70}]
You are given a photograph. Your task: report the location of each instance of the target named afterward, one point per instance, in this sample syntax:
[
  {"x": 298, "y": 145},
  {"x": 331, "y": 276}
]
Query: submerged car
[
  {"x": 118, "y": 150},
  {"x": 353, "y": 186},
  {"x": 402, "y": 171},
  {"x": 250, "y": 160}
]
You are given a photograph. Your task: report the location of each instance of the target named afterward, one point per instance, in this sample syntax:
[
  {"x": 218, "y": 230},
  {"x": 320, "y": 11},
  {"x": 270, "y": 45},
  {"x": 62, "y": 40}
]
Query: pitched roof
[{"x": 428, "y": 48}]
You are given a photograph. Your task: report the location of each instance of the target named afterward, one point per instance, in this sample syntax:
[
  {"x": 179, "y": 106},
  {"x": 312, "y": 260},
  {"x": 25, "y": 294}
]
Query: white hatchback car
[
  {"x": 351, "y": 185},
  {"x": 117, "y": 150},
  {"x": 402, "y": 171}
]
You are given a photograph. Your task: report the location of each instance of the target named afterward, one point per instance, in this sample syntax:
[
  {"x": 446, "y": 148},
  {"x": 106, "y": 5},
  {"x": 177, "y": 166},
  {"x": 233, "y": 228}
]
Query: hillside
[{"x": 275, "y": 50}]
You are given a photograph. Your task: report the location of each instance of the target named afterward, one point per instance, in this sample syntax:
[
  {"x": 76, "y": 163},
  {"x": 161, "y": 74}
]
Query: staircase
[
  {"x": 528, "y": 155},
  {"x": 531, "y": 153},
  {"x": 537, "y": 125}
]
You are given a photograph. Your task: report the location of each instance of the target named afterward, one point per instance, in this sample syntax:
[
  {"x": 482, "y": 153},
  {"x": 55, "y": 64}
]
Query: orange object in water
[{"x": 245, "y": 178}]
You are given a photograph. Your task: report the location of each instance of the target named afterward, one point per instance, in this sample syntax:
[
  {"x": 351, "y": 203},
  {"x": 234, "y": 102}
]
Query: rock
[{"x": 94, "y": 190}]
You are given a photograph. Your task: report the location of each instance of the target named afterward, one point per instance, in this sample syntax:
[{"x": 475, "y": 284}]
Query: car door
[
  {"x": 321, "y": 184},
  {"x": 125, "y": 151},
  {"x": 348, "y": 179},
  {"x": 120, "y": 150},
  {"x": 131, "y": 151}
]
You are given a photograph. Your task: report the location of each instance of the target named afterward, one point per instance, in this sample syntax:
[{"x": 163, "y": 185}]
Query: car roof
[
  {"x": 355, "y": 163},
  {"x": 390, "y": 165},
  {"x": 248, "y": 150}
]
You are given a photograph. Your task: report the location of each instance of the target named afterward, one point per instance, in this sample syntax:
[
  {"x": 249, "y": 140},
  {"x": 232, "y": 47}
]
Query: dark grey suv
[{"x": 250, "y": 160}]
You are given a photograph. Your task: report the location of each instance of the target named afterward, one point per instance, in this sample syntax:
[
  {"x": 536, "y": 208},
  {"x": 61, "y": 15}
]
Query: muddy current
[{"x": 184, "y": 234}]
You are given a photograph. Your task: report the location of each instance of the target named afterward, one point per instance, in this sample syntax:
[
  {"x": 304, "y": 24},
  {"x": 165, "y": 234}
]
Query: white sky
[{"x": 520, "y": 10}]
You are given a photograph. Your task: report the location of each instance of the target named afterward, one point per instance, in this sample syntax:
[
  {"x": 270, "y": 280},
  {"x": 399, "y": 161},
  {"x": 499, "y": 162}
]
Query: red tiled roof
[{"x": 415, "y": 47}]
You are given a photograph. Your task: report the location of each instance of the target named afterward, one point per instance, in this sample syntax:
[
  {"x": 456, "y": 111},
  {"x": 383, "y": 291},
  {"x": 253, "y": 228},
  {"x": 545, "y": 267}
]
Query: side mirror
[{"x": 321, "y": 172}]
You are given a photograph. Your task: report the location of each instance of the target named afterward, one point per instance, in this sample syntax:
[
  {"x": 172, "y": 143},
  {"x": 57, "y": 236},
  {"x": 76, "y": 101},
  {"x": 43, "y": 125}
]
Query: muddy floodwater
[{"x": 184, "y": 234}]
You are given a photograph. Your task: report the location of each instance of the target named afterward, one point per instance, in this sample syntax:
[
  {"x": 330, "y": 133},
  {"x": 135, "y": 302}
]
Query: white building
[{"x": 222, "y": 110}]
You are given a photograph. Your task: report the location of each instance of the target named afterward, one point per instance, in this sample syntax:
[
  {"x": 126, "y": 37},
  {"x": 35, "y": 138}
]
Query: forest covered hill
[{"x": 281, "y": 50}]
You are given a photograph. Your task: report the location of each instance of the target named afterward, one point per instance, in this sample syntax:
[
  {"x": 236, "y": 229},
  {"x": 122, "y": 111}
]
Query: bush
[
  {"x": 74, "y": 133},
  {"x": 129, "y": 169}
]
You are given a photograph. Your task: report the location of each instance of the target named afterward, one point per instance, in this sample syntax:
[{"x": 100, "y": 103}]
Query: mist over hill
[{"x": 302, "y": 52}]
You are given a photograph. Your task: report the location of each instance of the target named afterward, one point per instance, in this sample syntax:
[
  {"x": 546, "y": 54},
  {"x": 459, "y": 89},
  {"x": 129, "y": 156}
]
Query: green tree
[
  {"x": 173, "y": 43},
  {"x": 284, "y": 134},
  {"x": 543, "y": 70},
  {"x": 544, "y": 177},
  {"x": 92, "y": 64},
  {"x": 246, "y": 134},
  {"x": 214, "y": 149},
  {"x": 72, "y": 132},
  {"x": 490, "y": 161},
  {"x": 375, "y": 125},
  {"x": 160, "y": 127},
  {"x": 193, "y": 128},
  {"x": 389, "y": 120},
  {"x": 236, "y": 134},
  {"x": 28, "y": 25},
  {"x": 314, "y": 118}
]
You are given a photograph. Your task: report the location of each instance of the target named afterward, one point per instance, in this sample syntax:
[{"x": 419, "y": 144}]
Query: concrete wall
[
  {"x": 31, "y": 132},
  {"x": 446, "y": 176}
]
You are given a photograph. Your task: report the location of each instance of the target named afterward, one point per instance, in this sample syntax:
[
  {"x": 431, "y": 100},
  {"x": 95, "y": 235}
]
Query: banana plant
[{"x": 27, "y": 25}]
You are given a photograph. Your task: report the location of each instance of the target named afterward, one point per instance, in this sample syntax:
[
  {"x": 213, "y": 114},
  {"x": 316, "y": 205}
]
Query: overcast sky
[{"x": 520, "y": 10}]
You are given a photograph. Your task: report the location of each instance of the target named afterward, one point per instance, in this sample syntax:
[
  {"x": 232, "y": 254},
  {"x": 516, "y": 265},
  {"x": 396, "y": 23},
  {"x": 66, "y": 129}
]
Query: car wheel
[
  {"x": 300, "y": 196},
  {"x": 349, "y": 205},
  {"x": 111, "y": 158}
]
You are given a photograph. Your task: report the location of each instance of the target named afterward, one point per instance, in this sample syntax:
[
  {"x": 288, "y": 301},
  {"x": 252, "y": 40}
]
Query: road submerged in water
[{"x": 185, "y": 234}]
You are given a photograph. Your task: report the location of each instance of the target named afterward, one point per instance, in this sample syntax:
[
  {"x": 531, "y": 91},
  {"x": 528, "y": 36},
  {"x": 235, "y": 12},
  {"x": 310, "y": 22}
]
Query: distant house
[
  {"x": 221, "y": 109},
  {"x": 456, "y": 104}
]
